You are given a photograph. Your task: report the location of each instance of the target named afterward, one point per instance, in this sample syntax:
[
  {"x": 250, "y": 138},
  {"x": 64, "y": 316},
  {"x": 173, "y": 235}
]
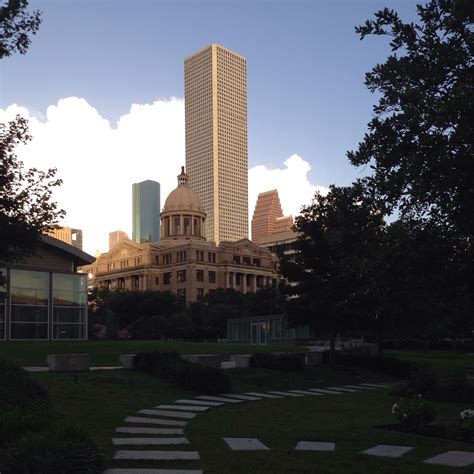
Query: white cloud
[{"x": 98, "y": 163}]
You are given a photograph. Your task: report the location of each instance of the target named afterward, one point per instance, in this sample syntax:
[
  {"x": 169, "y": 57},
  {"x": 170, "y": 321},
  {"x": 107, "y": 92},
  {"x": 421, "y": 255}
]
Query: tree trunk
[{"x": 332, "y": 350}]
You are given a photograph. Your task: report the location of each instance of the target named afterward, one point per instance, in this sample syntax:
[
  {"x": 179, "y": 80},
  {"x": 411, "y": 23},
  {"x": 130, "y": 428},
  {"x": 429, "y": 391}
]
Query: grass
[
  {"x": 101, "y": 400},
  {"x": 442, "y": 362},
  {"x": 105, "y": 353}
]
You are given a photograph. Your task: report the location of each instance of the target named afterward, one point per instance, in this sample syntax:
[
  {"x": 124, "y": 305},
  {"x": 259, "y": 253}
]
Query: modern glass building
[
  {"x": 265, "y": 330},
  {"x": 146, "y": 211},
  {"x": 43, "y": 298}
]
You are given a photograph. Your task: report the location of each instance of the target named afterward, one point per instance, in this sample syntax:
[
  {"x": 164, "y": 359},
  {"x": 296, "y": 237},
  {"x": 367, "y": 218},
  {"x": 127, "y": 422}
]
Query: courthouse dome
[{"x": 183, "y": 198}]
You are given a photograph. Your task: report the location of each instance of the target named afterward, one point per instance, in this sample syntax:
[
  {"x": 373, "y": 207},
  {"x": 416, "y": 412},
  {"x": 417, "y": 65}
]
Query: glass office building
[
  {"x": 43, "y": 298},
  {"x": 146, "y": 211}
]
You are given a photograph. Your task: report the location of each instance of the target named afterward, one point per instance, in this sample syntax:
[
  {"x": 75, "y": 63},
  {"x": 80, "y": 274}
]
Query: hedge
[{"x": 284, "y": 362}]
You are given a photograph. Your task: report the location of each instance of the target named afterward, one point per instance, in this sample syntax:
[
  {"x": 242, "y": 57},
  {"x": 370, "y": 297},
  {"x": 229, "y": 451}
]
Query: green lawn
[
  {"x": 101, "y": 400},
  {"x": 441, "y": 361},
  {"x": 108, "y": 352}
]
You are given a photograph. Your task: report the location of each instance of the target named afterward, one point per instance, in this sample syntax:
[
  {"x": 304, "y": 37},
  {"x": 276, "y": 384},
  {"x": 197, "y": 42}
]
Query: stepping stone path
[
  {"x": 388, "y": 451},
  {"x": 453, "y": 459},
  {"x": 189, "y": 408},
  {"x": 315, "y": 446},
  {"x": 246, "y": 444}
]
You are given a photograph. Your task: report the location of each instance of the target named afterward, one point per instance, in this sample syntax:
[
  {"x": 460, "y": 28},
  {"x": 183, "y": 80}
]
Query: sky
[{"x": 103, "y": 87}]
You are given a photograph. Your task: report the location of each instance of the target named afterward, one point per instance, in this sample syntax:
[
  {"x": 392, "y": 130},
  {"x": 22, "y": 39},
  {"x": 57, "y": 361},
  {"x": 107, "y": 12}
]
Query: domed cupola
[{"x": 183, "y": 216}]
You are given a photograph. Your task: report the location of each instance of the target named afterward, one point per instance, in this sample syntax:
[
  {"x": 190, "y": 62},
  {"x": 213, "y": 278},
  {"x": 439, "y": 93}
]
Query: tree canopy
[{"x": 420, "y": 140}]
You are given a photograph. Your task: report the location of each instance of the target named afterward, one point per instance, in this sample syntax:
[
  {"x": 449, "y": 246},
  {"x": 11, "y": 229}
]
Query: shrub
[
  {"x": 59, "y": 447},
  {"x": 171, "y": 365},
  {"x": 17, "y": 387},
  {"x": 203, "y": 379},
  {"x": 413, "y": 413},
  {"x": 382, "y": 364},
  {"x": 284, "y": 362}
]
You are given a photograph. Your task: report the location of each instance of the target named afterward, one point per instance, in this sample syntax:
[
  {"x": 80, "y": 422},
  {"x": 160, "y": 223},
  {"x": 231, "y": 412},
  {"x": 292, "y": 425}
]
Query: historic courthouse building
[{"x": 183, "y": 262}]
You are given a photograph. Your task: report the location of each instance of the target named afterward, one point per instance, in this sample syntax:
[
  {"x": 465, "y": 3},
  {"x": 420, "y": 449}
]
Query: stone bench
[
  {"x": 241, "y": 360},
  {"x": 68, "y": 362},
  {"x": 208, "y": 360},
  {"x": 127, "y": 360},
  {"x": 228, "y": 365}
]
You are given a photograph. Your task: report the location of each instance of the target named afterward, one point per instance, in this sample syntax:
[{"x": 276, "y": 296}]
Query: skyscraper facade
[
  {"x": 268, "y": 216},
  {"x": 215, "y": 83},
  {"x": 146, "y": 211}
]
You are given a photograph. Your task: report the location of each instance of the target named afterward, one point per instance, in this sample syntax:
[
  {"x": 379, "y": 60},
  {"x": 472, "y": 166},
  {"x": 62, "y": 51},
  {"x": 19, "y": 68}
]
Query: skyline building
[
  {"x": 69, "y": 235},
  {"x": 268, "y": 216},
  {"x": 215, "y": 91},
  {"x": 146, "y": 211},
  {"x": 115, "y": 237}
]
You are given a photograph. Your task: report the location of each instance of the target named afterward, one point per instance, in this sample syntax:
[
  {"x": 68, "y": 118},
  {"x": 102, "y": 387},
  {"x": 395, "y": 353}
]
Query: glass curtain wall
[
  {"x": 29, "y": 292},
  {"x": 69, "y": 306}
]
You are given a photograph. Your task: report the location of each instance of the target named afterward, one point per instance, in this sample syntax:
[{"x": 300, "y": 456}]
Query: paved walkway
[{"x": 165, "y": 425}]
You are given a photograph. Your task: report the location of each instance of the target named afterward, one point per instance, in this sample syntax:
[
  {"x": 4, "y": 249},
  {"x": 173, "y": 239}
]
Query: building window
[
  {"x": 256, "y": 262},
  {"x": 199, "y": 255},
  {"x": 167, "y": 278},
  {"x": 181, "y": 276},
  {"x": 157, "y": 260},
  {"x": 181, "y": 256},
  {"x": 200, "y": 275},
  {"x": 212, "y": 277},
  {"x": 29, "y": 304},
  {"x": 246, "y": 260},
  {"x": 211, "y": 257},
  {"x": 197, "y": 230},
  {"x": 176, "y": 225},
  {"x": 70, "y": 306},
  {"x": 187, "y": 225},
  {"x": 138, "y": 261},
  {"x": 200, "y": 293},
  {"x": 157, "y": 281},
  {"x": 236, "y": 259},
  {"x": 181, "y": 294},
  {"x": 167, "y": 259}
]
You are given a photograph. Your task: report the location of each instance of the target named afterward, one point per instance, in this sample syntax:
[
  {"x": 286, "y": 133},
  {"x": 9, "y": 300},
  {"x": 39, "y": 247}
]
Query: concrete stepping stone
[
  {"x": 246, "y": 444},
  {"x": 145, "y": 441},
  {"x": 315, "y": 446},
  {"x": 155, "y": 421},
  {"x": 198, "y": 403},
  {"x": 241, "y": 397},
  {"x": 342, "y": 389},
  {"x": 376, "y": 385},
  {"x": 145, "y": 430},
  {"x": 157, "y": 455},
  {"x": 453, "y": 459},
  {"x": 306, "y": 392},
  {"x": 174, "y": 414},
  {"x": 388, "y": 451},
  {"x": 130, "y": 470},
  {"x": 219, "y": 399},
  {"x": 359, "y": 387},
  {"x": 263, "y": 395},
  {"x": 286, "y": 394},
  {"x": 325, "y": 391},
  {"x": 183, "y": 407}
]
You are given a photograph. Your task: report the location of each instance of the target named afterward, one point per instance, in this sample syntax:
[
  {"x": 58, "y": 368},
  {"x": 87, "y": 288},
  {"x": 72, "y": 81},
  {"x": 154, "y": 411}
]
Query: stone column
[
  {"x": 244, "y": 283},
  {"x": 254, "y": 283},
  {"x": 234, "y": 281}
]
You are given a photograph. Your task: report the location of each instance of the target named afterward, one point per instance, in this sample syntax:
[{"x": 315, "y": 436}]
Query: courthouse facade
[{"x": 183, "y": 261}]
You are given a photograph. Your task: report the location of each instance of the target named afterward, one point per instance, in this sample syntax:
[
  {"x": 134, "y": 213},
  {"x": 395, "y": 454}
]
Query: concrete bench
[
  {"x": 68, "y": 362},
  {"x": 127, "y": 360},
  {"x": 228, "y": 365},
  {"x": 241, "y": 360},
  {"x": 208, "y": 360}
]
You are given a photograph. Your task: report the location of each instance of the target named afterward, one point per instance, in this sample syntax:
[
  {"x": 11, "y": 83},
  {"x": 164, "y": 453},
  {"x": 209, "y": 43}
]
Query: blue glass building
[{"x": 146, "y": 211}]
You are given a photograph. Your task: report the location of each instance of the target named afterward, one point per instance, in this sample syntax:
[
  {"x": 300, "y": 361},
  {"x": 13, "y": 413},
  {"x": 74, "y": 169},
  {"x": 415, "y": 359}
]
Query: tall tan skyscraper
[{"x": 215, "y": 92}]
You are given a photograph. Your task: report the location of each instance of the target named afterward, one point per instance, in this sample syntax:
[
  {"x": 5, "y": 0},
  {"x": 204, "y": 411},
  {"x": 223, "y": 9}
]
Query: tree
[
  {"x": 26, "y": 206},
  {"x": 16, "y": 24},
  {"x": 420, "y": 141},
  {"x": 329, "y": 278}
]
